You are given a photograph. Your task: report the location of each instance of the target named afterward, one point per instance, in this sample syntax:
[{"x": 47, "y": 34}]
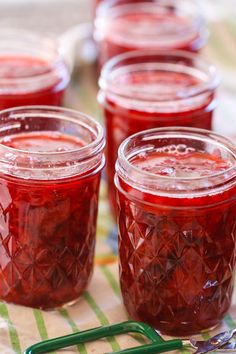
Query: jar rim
[
  {"x": 108, "y": 85},
  {"x": 57, "y": 165},
  {"x": 124, "y": 166},
  {"x": 186, "y": 8},
  {"x": 24, "y": 43},
  {"x": 68, "y": 114}
]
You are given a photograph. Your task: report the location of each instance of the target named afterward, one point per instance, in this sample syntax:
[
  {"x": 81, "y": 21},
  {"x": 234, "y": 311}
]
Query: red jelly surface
[
  {"x": 131, "y": 31},
  {"x": 122, "y": 121},
  {"x": 177, "y": 254},
  {"x": 31, "y": 81},
  {"x": 47, "y": 229}
]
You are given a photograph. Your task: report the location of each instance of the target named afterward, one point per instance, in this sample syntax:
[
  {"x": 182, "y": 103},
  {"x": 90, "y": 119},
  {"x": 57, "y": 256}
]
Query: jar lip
[
  {"x": 123, "y": 164},
  {"x": 184, "y": 8},
  {"x": 22, "y": 43},
  {"x": 108, "y": 85},
  {"x": 95, "y": 147},
  {"x": 103, "y": 7}
]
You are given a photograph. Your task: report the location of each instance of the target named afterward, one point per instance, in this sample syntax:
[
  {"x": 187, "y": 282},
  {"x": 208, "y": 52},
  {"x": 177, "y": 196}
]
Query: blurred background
[
  {"x": 56, "y": 16},
  {"x": 65, "y": 18}
]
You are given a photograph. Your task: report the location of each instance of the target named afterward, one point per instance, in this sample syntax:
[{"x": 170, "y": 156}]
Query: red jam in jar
[
  {"x": 141, "y": 90},
  {"x": 161, "y": 25},
  {"x": 50, "y": 163},
  {"x": 32, "y": 70},
  {"x": 177, "y": 227}
]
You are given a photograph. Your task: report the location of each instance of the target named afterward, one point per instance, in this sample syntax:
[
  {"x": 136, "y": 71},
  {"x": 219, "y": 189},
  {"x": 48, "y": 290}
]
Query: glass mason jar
[
  {"x": 159, "y": 25},
  {"x": 177, "y": 211},
  {"x": 33, "y": 71},
  {"x": 50, "y": 163},
  {"x": 143, "y": 90}
]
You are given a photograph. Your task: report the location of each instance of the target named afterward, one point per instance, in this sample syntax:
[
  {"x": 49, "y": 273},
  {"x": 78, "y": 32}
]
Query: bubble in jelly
[
  {"x": 175, "y": 149},
  {"x": 180, "y": 161},
  {"x": 62, "y": 149}
]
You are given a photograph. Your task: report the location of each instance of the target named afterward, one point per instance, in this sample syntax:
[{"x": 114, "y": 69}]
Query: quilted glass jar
[
  {"x": 50, "y": 166},
  {"x": 177, "y": 227},
  {"x": 143, "y": 90}
]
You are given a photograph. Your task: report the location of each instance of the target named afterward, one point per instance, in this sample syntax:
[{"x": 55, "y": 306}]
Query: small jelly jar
[
  {"x": 50, "y": 166},
  {"x": 160, "y": 25},
  {"x": 143, "y": 90},
  {"x": 32, "y": 70},
  {"x": 177, "y": 227}
]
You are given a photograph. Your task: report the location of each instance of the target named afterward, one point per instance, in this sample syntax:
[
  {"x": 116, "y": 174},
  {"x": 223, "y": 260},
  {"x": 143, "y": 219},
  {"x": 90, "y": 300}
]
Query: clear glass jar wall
[
  {"x": 142, "y": 90},
  {"x": 177, "y": 207},
  {"x": 50, "y": 161}
]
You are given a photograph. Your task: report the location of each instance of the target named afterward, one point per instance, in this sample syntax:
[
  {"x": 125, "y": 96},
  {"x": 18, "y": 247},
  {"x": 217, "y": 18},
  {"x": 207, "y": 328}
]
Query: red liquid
[
  {"x": 177, "y": 255},
  {"x": 122, "y": 122},
  {"x": 47, "y": 229},
  {"x": 131, "y": 31},
  {"x": 31, "y": 81}
]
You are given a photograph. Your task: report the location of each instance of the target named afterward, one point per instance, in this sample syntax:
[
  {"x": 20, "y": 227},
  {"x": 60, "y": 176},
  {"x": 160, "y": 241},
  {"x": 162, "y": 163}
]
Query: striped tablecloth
[{"x": 101, "y": 304}]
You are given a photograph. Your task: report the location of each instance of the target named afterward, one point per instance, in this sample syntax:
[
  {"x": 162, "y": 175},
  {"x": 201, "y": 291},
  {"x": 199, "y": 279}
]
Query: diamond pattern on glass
[{"x": 176, "y": 268}]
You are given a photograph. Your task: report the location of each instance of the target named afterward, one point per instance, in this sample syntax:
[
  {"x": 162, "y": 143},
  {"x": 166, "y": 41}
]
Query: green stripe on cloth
[
  {"x": 185, "y": 351},
  {"x": 111, "y": 280},
  {"x": 40, "y": 324},
  {"x": 102, "y": 319},
  {"x": 115, "y": 286},
  {"x": 64, "y": 313},
  {"x": 206, "y": 335},
  {"x": 230, "y": 322},
  {"x": 15, "y": 342}
]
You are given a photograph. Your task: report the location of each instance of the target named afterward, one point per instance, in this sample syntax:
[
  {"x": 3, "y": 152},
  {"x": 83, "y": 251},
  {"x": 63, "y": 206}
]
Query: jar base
[
  {"x": 63, "y": 306},
  {"x": 164, "y": 329},
  {"x": 71, "y": 303},
  {"x": 166, "y": 333},
  {"x": 189, "y": 334}
]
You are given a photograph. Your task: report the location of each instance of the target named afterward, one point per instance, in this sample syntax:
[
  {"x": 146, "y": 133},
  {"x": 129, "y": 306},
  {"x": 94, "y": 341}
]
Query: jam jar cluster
[{"x": 171, "y": 181}]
